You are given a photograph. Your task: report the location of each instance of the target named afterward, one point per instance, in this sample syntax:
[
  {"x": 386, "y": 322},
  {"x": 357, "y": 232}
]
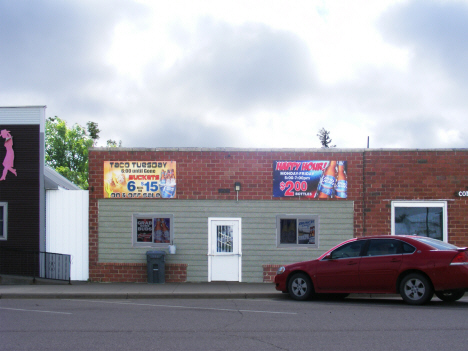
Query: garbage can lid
[{"x": 155, "y": 254}]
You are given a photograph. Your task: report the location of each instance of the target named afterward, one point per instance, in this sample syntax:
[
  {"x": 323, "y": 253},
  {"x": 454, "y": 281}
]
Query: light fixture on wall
[{"x": 237, "y": 188}]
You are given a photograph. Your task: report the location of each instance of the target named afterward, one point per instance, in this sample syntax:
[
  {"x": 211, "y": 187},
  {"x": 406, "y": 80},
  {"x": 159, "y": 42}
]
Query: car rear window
[
  {"x": 436, "y": 244},
  {"x": 407, "y": 248}
]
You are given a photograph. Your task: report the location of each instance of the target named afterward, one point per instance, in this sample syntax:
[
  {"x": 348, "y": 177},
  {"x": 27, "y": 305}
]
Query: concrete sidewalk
[
  {"x": 12, "y": 287},
  {"x": 85, "y": 290}
]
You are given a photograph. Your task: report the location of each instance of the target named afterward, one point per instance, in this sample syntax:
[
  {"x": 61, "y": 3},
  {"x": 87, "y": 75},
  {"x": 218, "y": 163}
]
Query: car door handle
[
  {"x": 352, "y": 263},
  {"x": 395, "y": 260}
]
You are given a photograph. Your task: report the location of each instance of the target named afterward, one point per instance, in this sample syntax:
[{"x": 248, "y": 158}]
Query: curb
[{"x": 135, "y": 296}]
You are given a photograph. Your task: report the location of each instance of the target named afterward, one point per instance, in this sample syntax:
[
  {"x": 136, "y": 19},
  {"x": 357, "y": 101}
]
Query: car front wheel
[
  {"x": 415, "y": 289},
  {"x": 300, "y": 287},
  {"x": 450, "y": 295}
]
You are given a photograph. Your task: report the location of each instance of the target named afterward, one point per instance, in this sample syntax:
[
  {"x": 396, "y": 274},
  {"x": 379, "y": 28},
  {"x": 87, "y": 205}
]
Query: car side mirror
[{"x": 328, "y": 257}]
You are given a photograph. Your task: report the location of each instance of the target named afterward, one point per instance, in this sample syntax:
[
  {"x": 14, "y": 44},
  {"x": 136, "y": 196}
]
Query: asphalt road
[{"x": 240, "y": 324}]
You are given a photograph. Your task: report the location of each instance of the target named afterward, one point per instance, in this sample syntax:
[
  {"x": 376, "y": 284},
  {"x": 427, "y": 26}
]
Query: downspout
[{"x": 364, "y": 193}]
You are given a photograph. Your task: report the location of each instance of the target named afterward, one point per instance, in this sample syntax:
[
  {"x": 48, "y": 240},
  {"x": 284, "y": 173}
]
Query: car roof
[
  {"x": 415, "y": 240},
  {"x": 384, "y": 236},
  {"x": 389, "y": 236}
]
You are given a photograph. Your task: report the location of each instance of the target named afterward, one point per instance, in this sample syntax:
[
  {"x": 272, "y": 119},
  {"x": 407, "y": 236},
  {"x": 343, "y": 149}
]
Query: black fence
[{"x": 36, "y": 264}]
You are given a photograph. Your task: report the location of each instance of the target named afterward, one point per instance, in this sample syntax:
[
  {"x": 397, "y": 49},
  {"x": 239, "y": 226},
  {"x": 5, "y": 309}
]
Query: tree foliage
[
  {"x": 66, "y": 149},
  {"x": 324, "y": 136},
  {"x": 93, "y": 131},
  {"x": 113, "y": 143}
]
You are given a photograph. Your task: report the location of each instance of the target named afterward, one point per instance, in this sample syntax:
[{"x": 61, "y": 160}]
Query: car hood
[{"x": 304, "y": 265}]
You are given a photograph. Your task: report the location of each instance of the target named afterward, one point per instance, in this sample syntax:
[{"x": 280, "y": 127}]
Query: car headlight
[{"x": 280, "y": 270}]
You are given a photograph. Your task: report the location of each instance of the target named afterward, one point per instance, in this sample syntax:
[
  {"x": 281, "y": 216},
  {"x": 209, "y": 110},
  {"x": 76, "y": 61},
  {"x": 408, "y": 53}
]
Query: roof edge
[{"x": 233, "y": 149}]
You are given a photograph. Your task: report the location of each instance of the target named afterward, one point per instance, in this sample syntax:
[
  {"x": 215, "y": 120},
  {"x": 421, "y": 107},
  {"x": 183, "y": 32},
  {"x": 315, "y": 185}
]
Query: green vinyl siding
[{"x": 336, "y": 220}]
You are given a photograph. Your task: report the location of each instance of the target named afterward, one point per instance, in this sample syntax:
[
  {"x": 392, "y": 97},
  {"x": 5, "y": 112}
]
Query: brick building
[{"x": 236, "y": 214}]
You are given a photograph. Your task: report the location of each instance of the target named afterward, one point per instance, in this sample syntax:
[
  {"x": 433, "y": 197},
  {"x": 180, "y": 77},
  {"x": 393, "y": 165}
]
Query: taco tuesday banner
[
  {"x": 136, "y": 179},
  {"x": 313, "y": 179}
]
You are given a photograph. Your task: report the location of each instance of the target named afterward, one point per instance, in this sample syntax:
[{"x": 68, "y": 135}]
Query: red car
[{"x": 415, "y": 267}]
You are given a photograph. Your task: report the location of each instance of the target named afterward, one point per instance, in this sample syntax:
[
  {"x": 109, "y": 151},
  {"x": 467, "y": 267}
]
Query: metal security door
[{"x": 224, "y": 249}]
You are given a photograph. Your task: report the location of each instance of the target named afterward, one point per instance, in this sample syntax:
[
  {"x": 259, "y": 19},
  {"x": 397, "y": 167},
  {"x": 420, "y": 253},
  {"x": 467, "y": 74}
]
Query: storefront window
[
  {"x": 422, "y": 218},
  {"x": 293, "y": 230},
  {"x": 3, "y": 220},
  {"x": 152, "y": 229}
]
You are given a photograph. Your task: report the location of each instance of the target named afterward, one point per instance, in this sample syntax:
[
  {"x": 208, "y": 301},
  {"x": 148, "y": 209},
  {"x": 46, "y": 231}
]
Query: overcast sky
[{"x": 250, "y": 74}]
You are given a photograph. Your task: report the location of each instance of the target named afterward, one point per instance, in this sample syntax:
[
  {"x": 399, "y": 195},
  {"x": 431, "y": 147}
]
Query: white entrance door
[{"x": 224, "y": 249}]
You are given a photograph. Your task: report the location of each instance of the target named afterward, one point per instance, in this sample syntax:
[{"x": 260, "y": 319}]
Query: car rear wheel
[
  {"x": 415, "y": 289},
  {"x": 300, "y": 287},
  {"x": 450, "y": 295}
]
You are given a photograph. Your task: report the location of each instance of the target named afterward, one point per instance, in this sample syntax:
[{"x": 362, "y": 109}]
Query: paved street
[{"x": 231, "y": 324}]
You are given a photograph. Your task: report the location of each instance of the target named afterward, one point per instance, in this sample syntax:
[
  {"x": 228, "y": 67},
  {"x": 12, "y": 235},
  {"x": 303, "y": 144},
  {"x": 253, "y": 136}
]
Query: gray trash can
[{"x": 156, "y": 266}]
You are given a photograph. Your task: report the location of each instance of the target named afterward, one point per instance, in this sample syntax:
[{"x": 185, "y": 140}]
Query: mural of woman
[{"x": 10, "y": 155}]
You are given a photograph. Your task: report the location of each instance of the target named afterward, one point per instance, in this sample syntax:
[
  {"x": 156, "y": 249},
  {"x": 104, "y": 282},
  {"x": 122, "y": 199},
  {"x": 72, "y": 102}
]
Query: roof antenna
[{"x": 368, "y": 142}]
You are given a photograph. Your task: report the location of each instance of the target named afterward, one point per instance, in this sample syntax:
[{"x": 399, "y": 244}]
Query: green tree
[
  {"x": 113, "y": 143},
  {"x": 93, "y": 131},
  {"x": 324, "y": 136},
  {"x": 67, "y": 149}
]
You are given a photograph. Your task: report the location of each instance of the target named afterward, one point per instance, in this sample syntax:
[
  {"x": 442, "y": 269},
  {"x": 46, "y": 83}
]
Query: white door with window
[{"x": 224, "y": 249}]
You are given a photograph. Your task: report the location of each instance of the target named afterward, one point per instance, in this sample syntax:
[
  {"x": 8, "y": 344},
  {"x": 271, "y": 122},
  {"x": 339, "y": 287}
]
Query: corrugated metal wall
[
  {"x": 22, "y": 115},
  {"x": 191, "y": 231},
  {"x": 67, "y": 228}
]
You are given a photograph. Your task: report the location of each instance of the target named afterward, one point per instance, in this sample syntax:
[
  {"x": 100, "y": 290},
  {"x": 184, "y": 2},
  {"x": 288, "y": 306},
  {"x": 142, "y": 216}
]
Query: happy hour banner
[{"x": 313, "y": 179}]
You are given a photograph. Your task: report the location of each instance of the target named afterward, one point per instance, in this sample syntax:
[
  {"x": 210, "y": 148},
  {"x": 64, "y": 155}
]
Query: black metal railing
[{"x": 36, "y": 264}]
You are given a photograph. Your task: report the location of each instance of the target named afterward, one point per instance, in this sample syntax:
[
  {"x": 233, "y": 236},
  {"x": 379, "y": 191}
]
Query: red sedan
[{"x": 414, "y": 267}]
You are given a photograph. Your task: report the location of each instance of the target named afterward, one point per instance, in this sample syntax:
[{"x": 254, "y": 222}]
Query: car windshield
[
  {"x": 349, "y": 250},
  {"x": 437, "y": 244}
]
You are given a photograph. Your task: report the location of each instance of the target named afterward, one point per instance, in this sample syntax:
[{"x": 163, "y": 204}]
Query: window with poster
[
  {"x": 423, "y": 218},
  {"x": 3, "y": 220},
  {"x": 152, "y": 230},
  {"x": 297, "y": 230}
]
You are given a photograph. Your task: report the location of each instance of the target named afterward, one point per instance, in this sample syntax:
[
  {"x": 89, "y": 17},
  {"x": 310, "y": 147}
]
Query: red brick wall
[
  {"x": 374, "y": 179},
  {"x": 135, "y": 273},
  {"x": 176, "y": 273},
  {"x": 201, "y": 173},
  {"x": 269, "y": 272},
  {"x": 118, "y": 272},
  {"x": 415, "y": 175}
]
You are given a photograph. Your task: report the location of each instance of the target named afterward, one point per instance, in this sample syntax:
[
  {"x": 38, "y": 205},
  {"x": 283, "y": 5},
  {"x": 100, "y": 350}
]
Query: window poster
[
  {"x": 136, "y": 179},
  {"x": 312, "y": 179},
  {"x": 144, "y": 230},
  {"x": 152, "y": 229},
  {"x": 306, "y": 231},
  {"x": 162, "y": 232}
]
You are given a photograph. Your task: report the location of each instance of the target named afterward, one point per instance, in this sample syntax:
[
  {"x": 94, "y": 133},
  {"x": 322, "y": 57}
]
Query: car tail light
[{"x": 460, "y": 258}]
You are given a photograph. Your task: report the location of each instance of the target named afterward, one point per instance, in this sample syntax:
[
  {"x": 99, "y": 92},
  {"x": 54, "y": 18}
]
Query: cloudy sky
[{"x": 250, "y": 74}]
